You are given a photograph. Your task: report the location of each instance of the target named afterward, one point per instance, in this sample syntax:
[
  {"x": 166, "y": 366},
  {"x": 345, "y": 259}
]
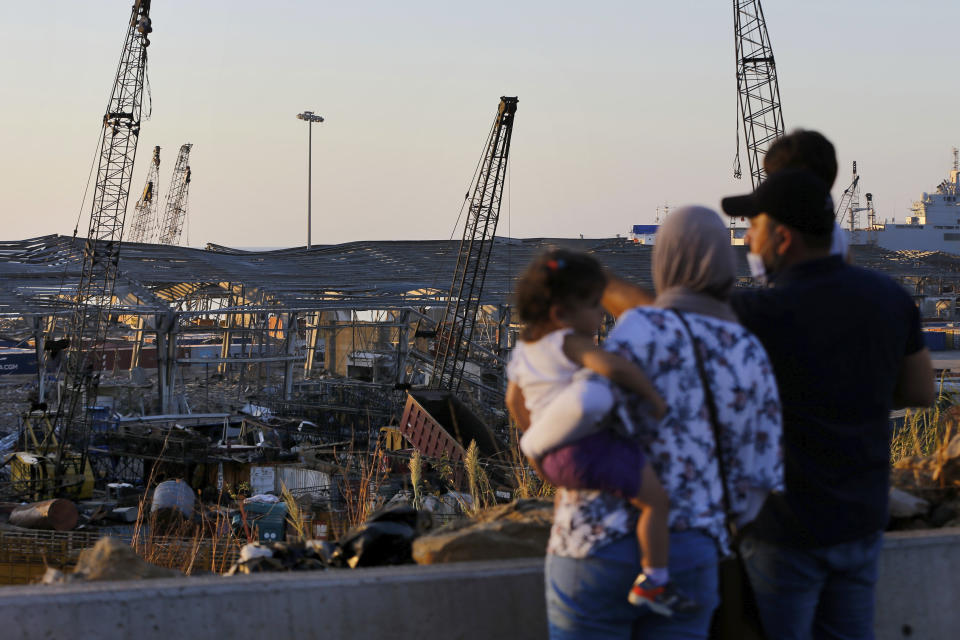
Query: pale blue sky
[{"x": 623, "y": 106}]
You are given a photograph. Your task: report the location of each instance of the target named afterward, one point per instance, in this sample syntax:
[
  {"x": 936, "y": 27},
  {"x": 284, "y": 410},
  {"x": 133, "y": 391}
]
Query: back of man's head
[{"x": 803, "y": 149}]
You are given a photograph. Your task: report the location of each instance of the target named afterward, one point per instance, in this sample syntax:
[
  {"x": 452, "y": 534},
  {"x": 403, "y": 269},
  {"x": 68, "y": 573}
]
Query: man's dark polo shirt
[{"x": 836, "y": 335}]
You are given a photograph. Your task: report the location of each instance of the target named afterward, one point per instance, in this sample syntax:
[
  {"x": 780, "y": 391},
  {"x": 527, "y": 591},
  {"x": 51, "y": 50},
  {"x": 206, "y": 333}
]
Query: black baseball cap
[{"x": 795, "y": 197}]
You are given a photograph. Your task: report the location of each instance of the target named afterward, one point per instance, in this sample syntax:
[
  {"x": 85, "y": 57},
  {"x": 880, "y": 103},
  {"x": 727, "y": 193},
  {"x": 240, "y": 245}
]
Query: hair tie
[{"x": 554, "y": 265}]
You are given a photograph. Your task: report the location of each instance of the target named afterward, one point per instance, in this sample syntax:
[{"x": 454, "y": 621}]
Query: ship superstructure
[{"x": 933, "y": 223}]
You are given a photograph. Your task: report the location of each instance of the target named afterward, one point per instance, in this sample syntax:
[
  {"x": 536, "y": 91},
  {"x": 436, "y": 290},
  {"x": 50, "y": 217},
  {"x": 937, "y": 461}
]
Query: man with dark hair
[
  {"x": 803, "y": 149},
  {"x": 846, "y": 348}
]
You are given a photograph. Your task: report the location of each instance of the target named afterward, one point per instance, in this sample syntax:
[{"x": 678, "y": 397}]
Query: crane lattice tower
[
  {"x": 757, "y": 90},
  {"x": 171, "y": 227},
  {"x": 145, "y": 211},
  {"x": 90, "y": 312},
  {"x": 463, "y": 302}
]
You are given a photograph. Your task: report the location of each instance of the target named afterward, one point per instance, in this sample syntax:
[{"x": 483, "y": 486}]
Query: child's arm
[
  {"x": 582, "y": 351},
  {"x": 517, "y": 406}
]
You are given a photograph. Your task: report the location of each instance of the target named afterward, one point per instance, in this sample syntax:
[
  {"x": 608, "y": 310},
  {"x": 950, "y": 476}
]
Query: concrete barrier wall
[
  {"x": 917, "y": 598},
  {"x": 919, "y": 591},
  {"x": 462, "y": 601}
]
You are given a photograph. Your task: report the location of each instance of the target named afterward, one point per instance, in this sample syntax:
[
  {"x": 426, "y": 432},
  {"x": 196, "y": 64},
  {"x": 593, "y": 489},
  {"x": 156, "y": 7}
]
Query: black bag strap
[{"x": 714, "y": 423}]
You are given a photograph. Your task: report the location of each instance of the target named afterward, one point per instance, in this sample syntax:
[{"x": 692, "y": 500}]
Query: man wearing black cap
[{"x": 846, "y": 348}]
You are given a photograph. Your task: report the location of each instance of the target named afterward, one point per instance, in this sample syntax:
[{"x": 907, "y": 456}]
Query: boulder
[
  {"x": 905, "y": 505},
  {"x": 914, "y": 473},
  {"x": 516, "y": 530},
  {"x": 944, "y": 513},
  {"x": 110, "y": 559}
]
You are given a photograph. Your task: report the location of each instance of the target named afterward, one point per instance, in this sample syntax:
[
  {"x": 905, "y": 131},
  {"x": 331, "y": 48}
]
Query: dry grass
[
  {"x": 925, "y": 431},
  {"x": 477, "y": 481},
  {"x": 416, "y": 478},
  {"x": 295, "y": 517},
  {"x": 528, "y": 484},
  {"x": 361, "y": 476},
  {"x": 177, "y": 542}
]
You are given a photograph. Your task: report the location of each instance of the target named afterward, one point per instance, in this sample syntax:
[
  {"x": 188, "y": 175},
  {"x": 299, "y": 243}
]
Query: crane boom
[
  {"x": 463, "y": 302},
  {"x": 758, "y": 93},
  {"x": 171, "y": 228},
  {"x": 145, "y": 211},
  {"x": 89, "y": 317}
]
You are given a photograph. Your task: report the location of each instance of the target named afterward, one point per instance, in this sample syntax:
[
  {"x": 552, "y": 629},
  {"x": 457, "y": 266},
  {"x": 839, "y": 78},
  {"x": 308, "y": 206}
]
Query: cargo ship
[{"x": 932, "y": 225}]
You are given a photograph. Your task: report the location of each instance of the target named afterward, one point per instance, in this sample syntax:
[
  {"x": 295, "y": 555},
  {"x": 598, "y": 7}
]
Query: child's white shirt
[{"x": 544, "y": 373}]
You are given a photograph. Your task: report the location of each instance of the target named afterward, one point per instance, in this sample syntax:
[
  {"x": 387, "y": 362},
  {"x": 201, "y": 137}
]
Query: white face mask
[{"x": 757, "y": 269}]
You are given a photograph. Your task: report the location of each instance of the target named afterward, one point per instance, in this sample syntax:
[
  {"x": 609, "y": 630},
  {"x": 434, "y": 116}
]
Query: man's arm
[
  {"x": 915, "y": 384},
  {"x": 620, "y": 295}
]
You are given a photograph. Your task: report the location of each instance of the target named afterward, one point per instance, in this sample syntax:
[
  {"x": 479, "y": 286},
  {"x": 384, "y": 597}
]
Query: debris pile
[
  {"x": 926, "y": 489},
  {"x": 109, "y": 559}
]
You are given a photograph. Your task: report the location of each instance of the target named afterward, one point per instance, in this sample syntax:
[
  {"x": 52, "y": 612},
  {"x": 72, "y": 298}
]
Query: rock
[
  {"x": 905, "y": 505},
  {"x": 111, "y": 559},
  {"x": 914, "y": 473},
  {"x": 944, "y": 513},
  {"x": 910, "y": 524},
  {"x": 516, "y": 530}
]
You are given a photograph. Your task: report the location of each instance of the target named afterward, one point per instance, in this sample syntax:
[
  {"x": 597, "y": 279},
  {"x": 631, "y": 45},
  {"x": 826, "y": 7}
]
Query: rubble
[
  {"x": 110, "y": 559},
  {"x": 280, "y": 556},
  {"x": 925, "y": 489}
]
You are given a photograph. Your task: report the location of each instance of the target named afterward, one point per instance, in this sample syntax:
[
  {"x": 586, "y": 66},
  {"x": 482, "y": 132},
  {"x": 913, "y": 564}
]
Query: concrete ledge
[
  {"x": 919, "y": 588},
  {"x": 462, "y": 601},
  {"x": 917, "y": 598}
]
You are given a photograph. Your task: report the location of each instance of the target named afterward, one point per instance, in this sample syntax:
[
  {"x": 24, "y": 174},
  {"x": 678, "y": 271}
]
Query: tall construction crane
[
  {"x": 463, "y": 302},
  {"x": 171, "y": 227},
  {"x": 90, "y": 312},
  {"x": 145, "y": 211},
  {"x": 758, "y": 93}
]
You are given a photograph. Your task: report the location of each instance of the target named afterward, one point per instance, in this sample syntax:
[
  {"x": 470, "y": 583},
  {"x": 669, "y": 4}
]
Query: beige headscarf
[{"x": 694, "y": 267}]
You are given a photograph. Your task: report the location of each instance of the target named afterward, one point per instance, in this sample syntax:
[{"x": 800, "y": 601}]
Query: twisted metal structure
[
  {"x": 758, "y": 93},
  {"x": 90, "y": 313},
  {"x": 171, "y": 227},
  {"x": 463, "y": 302},
  {"x": 145, "y": 211}
]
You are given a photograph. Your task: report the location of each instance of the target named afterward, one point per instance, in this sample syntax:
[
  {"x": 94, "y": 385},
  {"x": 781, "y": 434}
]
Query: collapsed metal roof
[{"x": 37, "y": 275}]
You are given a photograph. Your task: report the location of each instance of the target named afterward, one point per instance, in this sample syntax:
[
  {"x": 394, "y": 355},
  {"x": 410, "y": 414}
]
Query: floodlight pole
[{"x": 310, "y": 118}]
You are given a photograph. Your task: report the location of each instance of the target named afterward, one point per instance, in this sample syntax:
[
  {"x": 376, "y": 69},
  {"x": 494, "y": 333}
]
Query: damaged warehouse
[
  {"x": 249, "y": 372},
  {"x": 230, "y": 367}
]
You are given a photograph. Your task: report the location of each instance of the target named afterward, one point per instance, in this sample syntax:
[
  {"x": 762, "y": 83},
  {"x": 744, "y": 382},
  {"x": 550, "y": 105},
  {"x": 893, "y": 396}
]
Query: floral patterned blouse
[{"x": 681, "y": 445}]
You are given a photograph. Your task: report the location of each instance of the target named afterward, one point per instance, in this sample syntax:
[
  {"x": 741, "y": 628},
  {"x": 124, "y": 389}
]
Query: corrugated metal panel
[{"x": 300, "y": 481}]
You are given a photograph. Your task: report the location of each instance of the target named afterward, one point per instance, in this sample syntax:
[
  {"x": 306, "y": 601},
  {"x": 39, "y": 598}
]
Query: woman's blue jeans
[{"x": 587, "y": 597}]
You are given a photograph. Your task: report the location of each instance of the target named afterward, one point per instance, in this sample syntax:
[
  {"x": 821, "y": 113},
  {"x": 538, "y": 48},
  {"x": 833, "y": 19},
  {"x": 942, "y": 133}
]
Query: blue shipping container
[{"x": 935, "y": 340}]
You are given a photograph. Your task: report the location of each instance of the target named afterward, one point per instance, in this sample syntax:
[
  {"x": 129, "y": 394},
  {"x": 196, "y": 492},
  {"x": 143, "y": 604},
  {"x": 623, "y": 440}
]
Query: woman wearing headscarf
[{"x": 592, "y": 556}]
